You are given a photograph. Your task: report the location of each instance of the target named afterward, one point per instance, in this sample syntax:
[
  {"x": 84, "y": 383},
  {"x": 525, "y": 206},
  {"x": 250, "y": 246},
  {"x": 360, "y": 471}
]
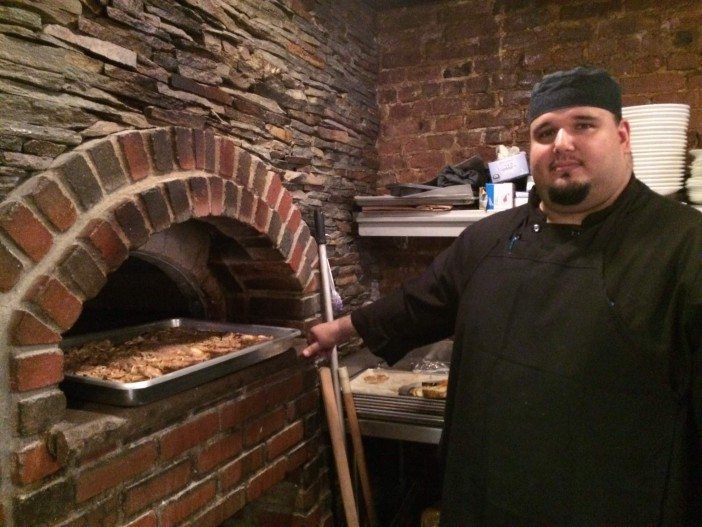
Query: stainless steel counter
[{"x": 399, "y": 423}]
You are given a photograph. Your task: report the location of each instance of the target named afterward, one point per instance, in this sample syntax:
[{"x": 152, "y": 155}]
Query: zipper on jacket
[{"x": 512, "y": 242}]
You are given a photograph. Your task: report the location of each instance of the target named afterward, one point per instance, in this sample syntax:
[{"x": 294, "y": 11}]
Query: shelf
[{"x": 421, "y": 224}]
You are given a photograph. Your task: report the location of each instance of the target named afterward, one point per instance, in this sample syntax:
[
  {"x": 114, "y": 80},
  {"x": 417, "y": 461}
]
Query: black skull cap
[{"x": 577, "y": 87}]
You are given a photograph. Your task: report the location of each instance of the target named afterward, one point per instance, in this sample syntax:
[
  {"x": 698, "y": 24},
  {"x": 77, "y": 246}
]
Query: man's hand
[{"x": 323, "y": 337}]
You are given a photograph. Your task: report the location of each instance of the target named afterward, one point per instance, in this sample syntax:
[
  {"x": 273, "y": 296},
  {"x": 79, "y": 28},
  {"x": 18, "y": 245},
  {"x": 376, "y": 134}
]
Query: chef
[{"x": 575, "y": 389}]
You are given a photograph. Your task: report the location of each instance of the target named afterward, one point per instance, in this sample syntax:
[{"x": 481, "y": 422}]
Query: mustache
[{"x": 562, "y": 160}]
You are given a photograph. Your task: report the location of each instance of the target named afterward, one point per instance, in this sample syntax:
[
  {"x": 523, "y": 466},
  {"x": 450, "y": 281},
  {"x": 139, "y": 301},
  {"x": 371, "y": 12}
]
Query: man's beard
[{"x": 572, "y": 194}]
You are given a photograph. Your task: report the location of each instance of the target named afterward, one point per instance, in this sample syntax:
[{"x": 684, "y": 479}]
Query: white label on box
[
  {"x": 509, "y": 168},
  {"x": 500, "y": 196}
]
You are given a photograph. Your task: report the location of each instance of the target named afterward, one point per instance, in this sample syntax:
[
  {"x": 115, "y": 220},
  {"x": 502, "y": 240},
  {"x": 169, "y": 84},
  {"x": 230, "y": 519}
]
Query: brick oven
[
  {"x": 162, "y": 159},
  {"x": 201, "y": 457}
]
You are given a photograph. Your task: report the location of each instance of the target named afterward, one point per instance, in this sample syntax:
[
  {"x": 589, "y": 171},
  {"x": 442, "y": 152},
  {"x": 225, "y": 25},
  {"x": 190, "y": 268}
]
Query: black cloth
[
  {"x": 577, "y": 87},
  {"x": 472, "y": 171},
  {"x": 575, "y": 392}
]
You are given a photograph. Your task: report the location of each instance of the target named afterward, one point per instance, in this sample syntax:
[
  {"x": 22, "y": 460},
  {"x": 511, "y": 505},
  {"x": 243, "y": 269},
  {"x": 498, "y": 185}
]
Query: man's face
[{"x": 580, "y": 159}]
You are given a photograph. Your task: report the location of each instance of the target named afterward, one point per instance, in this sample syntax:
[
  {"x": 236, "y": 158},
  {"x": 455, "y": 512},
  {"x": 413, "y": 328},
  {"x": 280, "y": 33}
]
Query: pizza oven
[{"x": 146, "y": 226}]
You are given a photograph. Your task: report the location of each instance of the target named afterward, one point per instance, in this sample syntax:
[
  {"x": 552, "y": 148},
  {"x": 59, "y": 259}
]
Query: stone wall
[
  {"x": 455, "y": 76},
  {"x": 244, "y": 115},
  {"x": 290, "y": 81}
]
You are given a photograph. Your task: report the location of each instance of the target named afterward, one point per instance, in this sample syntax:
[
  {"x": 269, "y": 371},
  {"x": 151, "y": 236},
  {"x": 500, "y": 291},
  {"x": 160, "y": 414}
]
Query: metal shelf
[
  {"x": 421, "y": 224},
  {"x": 416, "y": 223}
]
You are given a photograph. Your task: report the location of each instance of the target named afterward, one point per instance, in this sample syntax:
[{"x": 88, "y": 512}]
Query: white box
[
  {"x": 509, "y": 168},
  {"x": 521, "y": 198},
  {"x": 500, "y": 196}
]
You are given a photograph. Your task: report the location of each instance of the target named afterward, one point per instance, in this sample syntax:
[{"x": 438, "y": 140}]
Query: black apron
[{"x": 558, "y": 414}]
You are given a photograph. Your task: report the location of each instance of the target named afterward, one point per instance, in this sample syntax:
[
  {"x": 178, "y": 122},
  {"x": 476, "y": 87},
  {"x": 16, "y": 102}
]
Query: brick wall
[
  {"x": 199, "y": 468},
  {"x": 198, "y": 458},
  {"x": 455, "y": 76}
]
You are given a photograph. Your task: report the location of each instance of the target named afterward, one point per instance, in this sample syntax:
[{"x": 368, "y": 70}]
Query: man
[{"x": 575, "y": 392}]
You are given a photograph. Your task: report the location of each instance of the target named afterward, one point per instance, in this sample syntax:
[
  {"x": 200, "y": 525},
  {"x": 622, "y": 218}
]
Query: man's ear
[{"x": 624, "y": 131}]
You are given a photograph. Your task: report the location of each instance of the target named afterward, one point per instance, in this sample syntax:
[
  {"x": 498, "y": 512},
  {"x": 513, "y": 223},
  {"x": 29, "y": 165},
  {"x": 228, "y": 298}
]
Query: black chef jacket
[{"x": 575, "y": 392}]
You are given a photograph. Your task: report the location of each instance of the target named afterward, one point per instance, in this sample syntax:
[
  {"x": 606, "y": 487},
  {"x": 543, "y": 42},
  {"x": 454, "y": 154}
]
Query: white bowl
[
  {"x": 657, "y": 106},
  {"x": 679, "y": 164},
  {"x": 658, "y": 119}
]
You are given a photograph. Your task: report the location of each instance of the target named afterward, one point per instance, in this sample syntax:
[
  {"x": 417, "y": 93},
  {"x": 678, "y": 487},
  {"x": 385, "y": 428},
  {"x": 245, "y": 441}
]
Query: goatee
[{"x": 570, "y": 195}]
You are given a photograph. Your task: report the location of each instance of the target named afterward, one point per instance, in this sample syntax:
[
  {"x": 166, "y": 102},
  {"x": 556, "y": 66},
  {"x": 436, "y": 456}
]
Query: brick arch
[{"x": 69, "y": 227}]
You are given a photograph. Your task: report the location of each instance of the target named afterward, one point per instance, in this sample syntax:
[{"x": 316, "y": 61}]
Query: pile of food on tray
[
  {"x": 154, "y": 353},
  {"x": 429, "y": 389},
  {"x": 378, "y": 381}
]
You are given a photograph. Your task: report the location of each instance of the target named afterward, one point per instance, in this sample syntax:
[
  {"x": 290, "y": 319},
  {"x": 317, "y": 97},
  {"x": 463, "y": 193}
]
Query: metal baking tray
[{"x": 143, "y": 392}]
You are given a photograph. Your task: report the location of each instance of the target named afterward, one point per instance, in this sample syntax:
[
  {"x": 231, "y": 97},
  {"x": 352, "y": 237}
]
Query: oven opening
[{"x": 142, "y": 290}]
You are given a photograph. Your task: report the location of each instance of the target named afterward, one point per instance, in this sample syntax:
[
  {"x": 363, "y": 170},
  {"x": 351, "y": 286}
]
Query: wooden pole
[
  {"x": 337, "y": 441},
  {"x": 359, "y": 455}
]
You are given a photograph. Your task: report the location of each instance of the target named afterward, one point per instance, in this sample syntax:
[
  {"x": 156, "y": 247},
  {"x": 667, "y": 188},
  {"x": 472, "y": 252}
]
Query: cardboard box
[
  {"x": 500, "y": 196},
  {"x": 509, "y": 168}
]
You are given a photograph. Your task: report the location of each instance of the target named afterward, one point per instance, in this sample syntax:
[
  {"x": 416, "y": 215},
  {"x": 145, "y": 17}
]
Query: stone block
[
  {"x": 262, "y": 217},
  {"x": 110, "y": 473},
  {"x": 247, "y": 205},
  {"x": 102, "y": 235},
  {"x": 263, "y": 427},
  {"x": 184, "y": 148},
  {"x": 20, "y": 223},
  {"x": 162, "y": 149},
  {"x": 135, "y": 154},
  {"x": 219, "y": 452},
  {"x": 208, "y": 92},
  {"x": 188, "y": 435},
  {"x": 264, "y": 480},
  {"x": 148, "y": 519},
  {"x": 199, "y": 148},
  {"x": 44, "y": 506},
  {"x": 76, "y": 173},
  {"x": 180, "y": 202},
  {"x": 154, "y": 201},
  {"x": 54, "y": 204},
  {"x": 108, "y": 167},
  {"x": 36, "y": 413},
  {"x": 81, "y": 269},
  {"x": 37, "y": 369},
  {"x": 200, "y": 192},
  {"x": 151, "y": 490},
  {"x": 231, "y": 198},
  {"x": 43, "y": 148},
  {"x": 221, "y": 510},
  {"x": 274, "y": 227},
  {"x": 186, "y": 504},
  {"x": 28, "y": 330},
  {"x": 33, "y": 463},
  {"x": 210, "y": 151},
  {"x": 243, "y": 169},
  {"x": 260, "y": 179},
  {"x": 216, "y": 195},
  {"x": 54, "y": 299},
  {"x": 275, "y": 188},
  {"x": 286, "y": 203},
  {"x": 283, "y": 441},
  {"x": 133, "y": 223},
  {"x": 10, "y": 269},
  {"x": 227, "y": 158},
  {"x": 84, "y": 436}
]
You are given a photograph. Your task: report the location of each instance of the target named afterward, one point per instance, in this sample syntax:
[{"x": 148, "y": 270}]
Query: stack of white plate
[
  {"x": 658, "y": 144},
  {"x": 694, "y": 183}
]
